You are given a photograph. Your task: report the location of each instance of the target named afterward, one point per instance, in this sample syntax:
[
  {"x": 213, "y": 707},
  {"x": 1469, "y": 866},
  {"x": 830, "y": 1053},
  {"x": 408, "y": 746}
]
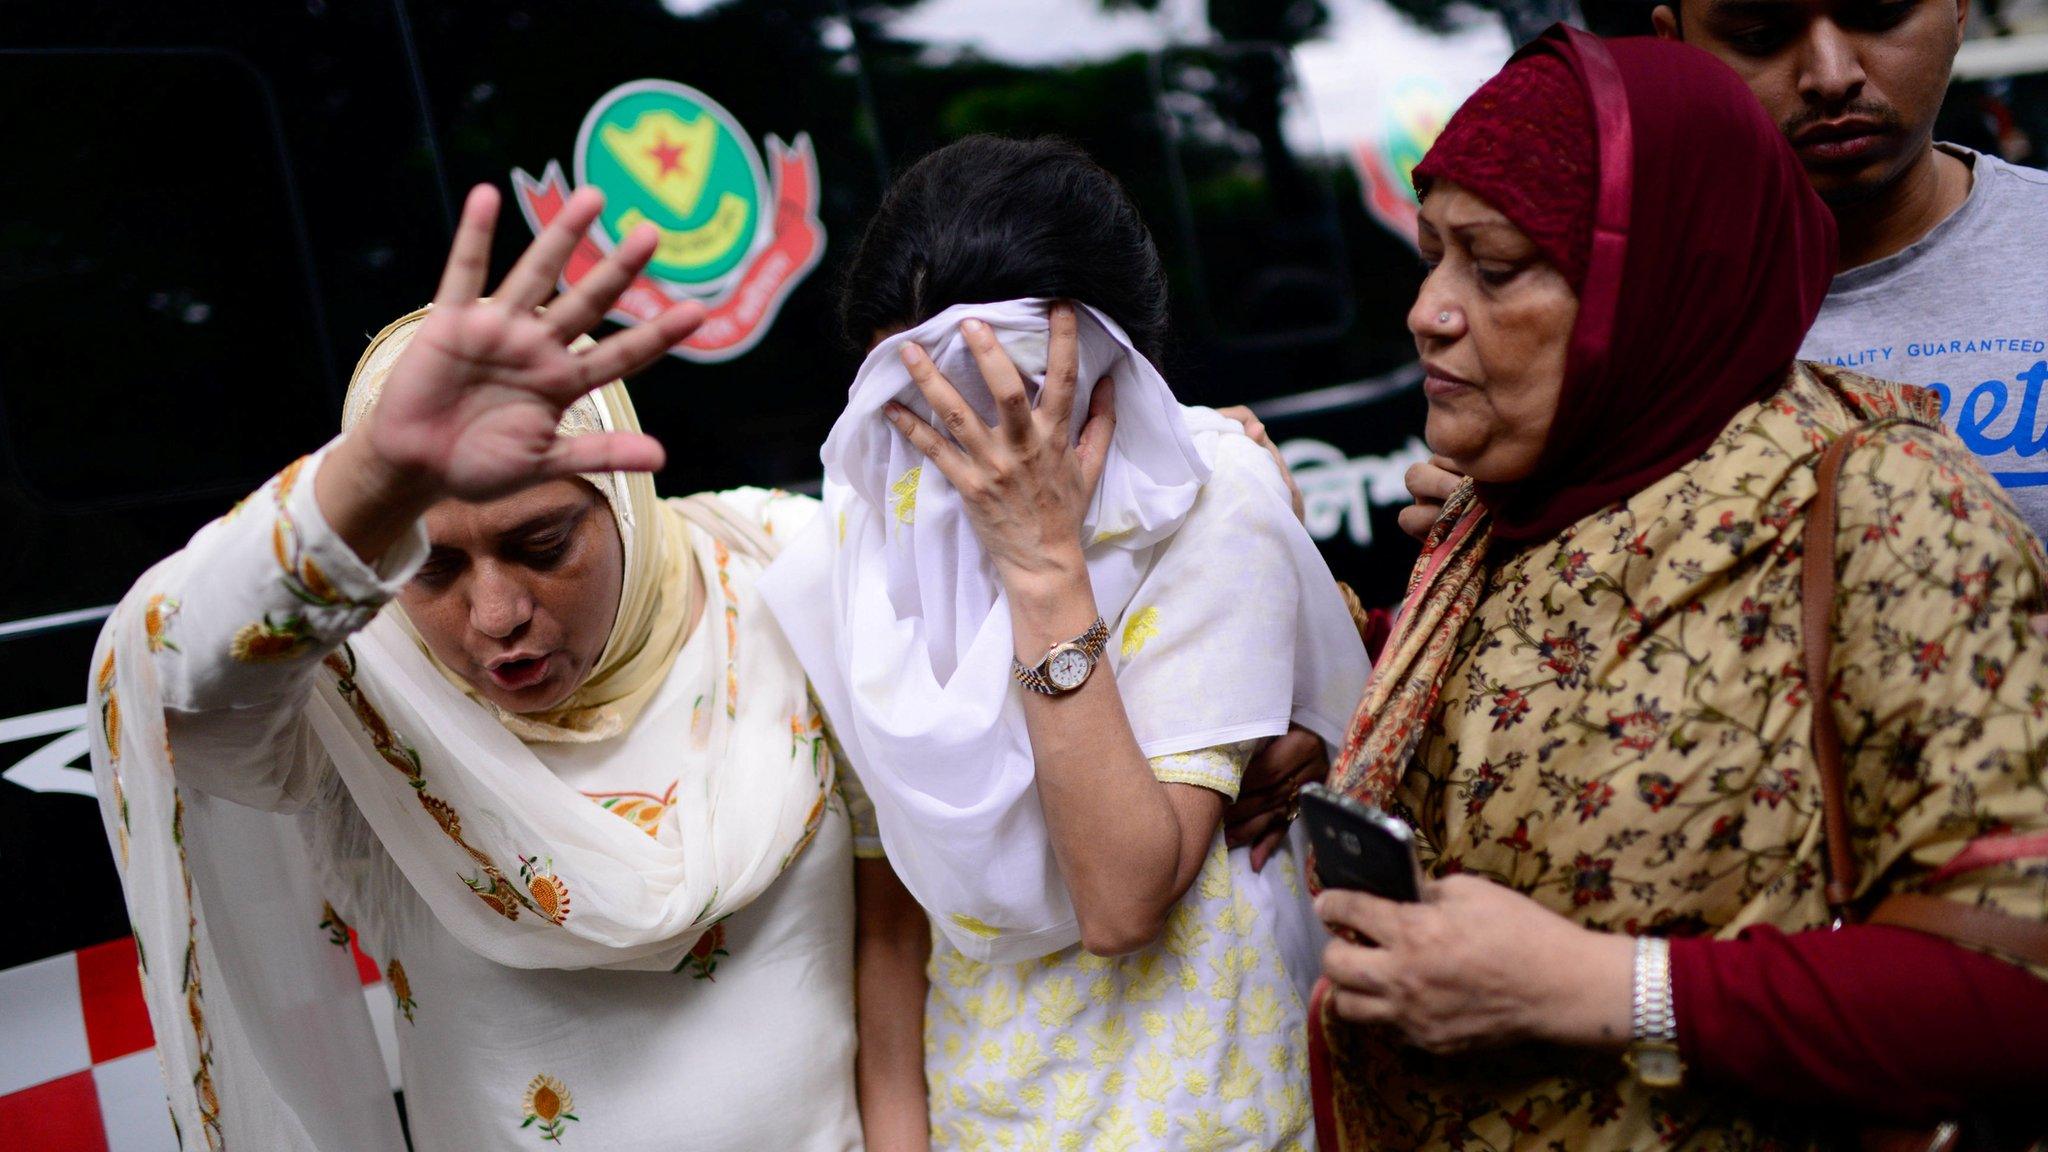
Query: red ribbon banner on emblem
[{"x": 738, "y": 317}]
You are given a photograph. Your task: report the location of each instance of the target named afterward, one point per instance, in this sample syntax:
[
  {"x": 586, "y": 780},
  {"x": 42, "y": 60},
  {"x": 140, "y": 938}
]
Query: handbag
[{"x": 1985, "y": 928}]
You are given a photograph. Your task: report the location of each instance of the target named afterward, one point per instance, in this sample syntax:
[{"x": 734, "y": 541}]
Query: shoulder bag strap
[
  {"x": 2010, "y": 936},
  {"x": 1817, "y": 613}
]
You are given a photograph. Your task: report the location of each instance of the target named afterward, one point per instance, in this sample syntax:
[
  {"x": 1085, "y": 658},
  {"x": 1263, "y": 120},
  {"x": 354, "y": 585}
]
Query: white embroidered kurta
[
  {"x": 748, "y": 1045},
  {"x": 1195, "y": 1043}
]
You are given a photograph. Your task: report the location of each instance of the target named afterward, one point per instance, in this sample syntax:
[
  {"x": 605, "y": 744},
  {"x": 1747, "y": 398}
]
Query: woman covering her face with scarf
[
  {"x": 1594, "y": 709},
  {"x": 1103, "y": 970}
]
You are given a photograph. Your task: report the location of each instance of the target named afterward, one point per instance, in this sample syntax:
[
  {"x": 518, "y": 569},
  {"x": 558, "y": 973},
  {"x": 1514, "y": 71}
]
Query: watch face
[
  {"x": 1069, "y": 668},
  {"x": 1658, "y": 1065}
]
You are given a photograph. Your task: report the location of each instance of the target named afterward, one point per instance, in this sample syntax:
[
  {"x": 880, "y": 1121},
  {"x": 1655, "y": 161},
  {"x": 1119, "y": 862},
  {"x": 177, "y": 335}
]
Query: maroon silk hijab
[{"x": 1709, "y": 254}]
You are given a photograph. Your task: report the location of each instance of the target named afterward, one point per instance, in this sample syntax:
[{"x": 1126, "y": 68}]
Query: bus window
[
  {"x": 152, "y": 239},
  {"x": 1256, "y": 215}
]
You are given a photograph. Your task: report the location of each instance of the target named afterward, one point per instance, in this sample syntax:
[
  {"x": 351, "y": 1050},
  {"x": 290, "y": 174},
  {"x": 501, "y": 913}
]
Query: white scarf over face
[{"x": 895, "y": 610}]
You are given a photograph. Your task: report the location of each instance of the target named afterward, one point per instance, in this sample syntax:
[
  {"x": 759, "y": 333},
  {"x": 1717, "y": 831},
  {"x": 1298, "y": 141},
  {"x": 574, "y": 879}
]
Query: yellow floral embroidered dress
[
  {"x": 1622, "y": 730},
  {"x": 1194, "y": 1043}
]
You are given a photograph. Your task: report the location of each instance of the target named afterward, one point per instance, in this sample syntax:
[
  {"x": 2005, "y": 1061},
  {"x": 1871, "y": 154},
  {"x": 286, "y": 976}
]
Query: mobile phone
[{"x": 1360, "y": 847}]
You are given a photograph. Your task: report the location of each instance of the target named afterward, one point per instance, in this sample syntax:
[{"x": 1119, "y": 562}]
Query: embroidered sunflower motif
[
  {"x": 156, "y": 617},
  {"x": 209, "y": 1108},
  {"x": 316, "y": 581},
  {"x": 723, "y": 556},
  {"x": 110, "y": 717},
  {"x": 446, "y": 816},
  {"x": 1139, "y": 627},
  {"x": 981, "y": 928},
  {"x": 549, "y": 892},
  {"x": 704, "y": 955},
  {"x": 808, "y": 732},
  {"x": 643, "y": 810},
  {"x": 271, "y": 640},
  {"x": 495, "y": 891},
  {"x": 401, "y": 988},
  {"x": 121, "y": 829},
  {"x": 903, "y": 495},
  {"x": 288, "y": 478},
  {"x": 548, "y": 1105},
  {"x": 337, "y": 928}
]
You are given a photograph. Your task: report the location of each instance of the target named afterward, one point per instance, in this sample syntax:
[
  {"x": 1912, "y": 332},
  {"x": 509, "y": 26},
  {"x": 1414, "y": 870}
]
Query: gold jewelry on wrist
[{"x": 1066, "y": 665}]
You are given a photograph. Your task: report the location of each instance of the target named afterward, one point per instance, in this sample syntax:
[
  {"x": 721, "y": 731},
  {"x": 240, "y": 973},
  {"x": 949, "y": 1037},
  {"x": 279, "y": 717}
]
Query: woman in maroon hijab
[{"x": 1594, "y": 710}]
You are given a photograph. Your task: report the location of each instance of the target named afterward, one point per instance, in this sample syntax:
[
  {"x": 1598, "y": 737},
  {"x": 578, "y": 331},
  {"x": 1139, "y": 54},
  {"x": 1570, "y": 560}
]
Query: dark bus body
[{"x": 207, "y": 209}]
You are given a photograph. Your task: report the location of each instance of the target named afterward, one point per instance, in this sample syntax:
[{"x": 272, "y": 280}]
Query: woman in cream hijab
[{"x": 573, "y": 796}]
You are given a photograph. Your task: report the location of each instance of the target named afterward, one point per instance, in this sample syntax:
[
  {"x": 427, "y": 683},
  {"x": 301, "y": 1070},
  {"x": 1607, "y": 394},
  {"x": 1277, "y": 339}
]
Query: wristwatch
[
  {"x": 1066, "y": 666},
  {"x": 1653, "y": 1054}
]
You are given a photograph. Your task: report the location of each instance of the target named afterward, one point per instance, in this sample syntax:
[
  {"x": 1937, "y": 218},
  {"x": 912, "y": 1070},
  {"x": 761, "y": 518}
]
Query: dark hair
[{"x": 986, "y": 219}]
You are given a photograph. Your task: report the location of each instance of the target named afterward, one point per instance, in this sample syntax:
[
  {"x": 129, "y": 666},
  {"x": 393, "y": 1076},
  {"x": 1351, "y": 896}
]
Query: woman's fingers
[
  {"x": 1243, "y": 827},
  {"x": 1370, "y": 916},
  {"x": 1013, "y": 404},
  {"x": 959, "y": 420},
  {"x": 942, "y": 452},
  {"x": 469, "y": 255},
  {"x": 1256, "y": 429},
  {"x": 1292, "y": 759},
  {"x": 1432, "y": 481},
  {"x": 1098, "y": 433},
  {"x": 1417, "y": 519},
  {"x": 1359, "y": 1008},
  {"x": 1062, "y": 371},
  {"x": 1358, "y": 967},
  {"x": 532, "y": 281},
  {"x": 624, "y": 353},
  {"x": 584, "y": 304},
  {"x": 1262, "y": 852},
  {"x": 603, "y": 452}
]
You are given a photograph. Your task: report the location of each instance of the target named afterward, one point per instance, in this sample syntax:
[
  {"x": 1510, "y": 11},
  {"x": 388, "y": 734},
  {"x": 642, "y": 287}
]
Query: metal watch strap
[
  {"x": 1653, "y": 1054},
  {"x": 1655, "y": 1018},
  {"x": 1033, "y": 676}
]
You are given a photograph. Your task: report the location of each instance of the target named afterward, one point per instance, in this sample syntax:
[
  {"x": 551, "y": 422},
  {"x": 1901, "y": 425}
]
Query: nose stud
[{"x": 1443, "y": 317}]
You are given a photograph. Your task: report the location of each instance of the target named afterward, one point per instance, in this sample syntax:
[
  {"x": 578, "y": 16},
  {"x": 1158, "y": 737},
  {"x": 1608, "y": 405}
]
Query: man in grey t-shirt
[
  {"x": 1944, "y": 252},
  {"x": 1964, "y": 311},
  {"x": 1940, "y": 247}
]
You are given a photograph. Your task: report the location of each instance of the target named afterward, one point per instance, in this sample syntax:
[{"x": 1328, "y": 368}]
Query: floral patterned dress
[{"x": 1622, "y": 736}]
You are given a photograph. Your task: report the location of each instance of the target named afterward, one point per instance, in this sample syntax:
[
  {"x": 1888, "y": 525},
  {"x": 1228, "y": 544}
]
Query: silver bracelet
[{"x": 1655, "y": 1018}]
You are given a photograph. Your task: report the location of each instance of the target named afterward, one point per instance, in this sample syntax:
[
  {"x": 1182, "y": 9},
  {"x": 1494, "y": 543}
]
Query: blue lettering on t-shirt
[{"x": 1983, "y": 406}]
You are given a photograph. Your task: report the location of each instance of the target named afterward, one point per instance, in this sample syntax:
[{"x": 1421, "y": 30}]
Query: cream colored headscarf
[{"x": 655, "y": 599}]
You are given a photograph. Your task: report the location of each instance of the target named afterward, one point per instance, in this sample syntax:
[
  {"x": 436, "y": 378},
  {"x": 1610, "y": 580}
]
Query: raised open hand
[{"x": 471, "y": 406}]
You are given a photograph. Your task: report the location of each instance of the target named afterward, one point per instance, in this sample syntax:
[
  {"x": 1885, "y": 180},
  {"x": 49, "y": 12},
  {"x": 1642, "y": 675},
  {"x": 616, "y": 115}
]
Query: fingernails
[
  {"x": 910, "y": 352},
  {"x": 973, "y": 327},
  {"x": 894, "y": 412}
]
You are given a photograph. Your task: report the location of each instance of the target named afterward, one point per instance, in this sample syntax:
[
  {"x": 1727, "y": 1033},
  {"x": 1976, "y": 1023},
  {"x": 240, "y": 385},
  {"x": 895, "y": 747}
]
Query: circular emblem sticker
[
  {"x": 734, "y": 234},
  {"x": 668, "y": 155}
]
